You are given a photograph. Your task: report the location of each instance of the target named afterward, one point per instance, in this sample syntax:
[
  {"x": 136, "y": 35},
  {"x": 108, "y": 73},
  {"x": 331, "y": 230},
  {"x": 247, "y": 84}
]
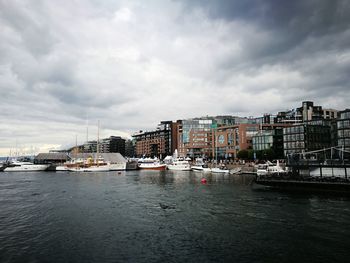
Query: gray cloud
[{"x": 131, "y": 64}]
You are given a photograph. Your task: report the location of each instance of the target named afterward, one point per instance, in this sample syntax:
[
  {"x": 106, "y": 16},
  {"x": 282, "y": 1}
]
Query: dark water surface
[{"x": 155, "y": 216}]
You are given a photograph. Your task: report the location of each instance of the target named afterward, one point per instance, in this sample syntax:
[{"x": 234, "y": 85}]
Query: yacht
[
  {"x": 90, "y": 165},
  {"x": 151, "y": 164},
  {"x": 270, "y": 169},
  {"x": 179, "y": 165},
  {"x": 16, "y": 166},
  {"x": 72, "y": 164},
  {"x": 198, "y": 165},
  {"x": 93, "y": 168}
]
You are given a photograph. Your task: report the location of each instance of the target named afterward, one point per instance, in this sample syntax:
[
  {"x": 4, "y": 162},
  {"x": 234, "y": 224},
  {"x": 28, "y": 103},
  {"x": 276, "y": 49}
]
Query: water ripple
[{"x": 147, "y": 216}]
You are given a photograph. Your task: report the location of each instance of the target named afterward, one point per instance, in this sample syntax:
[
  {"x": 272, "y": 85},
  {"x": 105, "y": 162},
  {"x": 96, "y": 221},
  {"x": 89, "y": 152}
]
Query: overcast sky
[{"x": 131, "y": 64}]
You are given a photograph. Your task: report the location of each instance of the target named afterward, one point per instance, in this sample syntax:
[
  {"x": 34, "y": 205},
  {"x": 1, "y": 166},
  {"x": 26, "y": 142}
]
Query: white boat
[
  {"x": 198, "y": 166},
  {"x": 90, "y": 165},
  {"x": 151, "y": 164},
  {"x": 270, "y": 169},
  {"x": 93, "y": 168},
  {"x": 220, "y": 170},
  {"x": 61, "y": 168},
  {"x": 275, "y": 169},
  {"x": 179, "y": 165},
  {"x": 261, "y": 169},
  {"x": 73, "y": 163},
  {"x": 17, "y": 166},
  {"x": 237, "y": 170}
]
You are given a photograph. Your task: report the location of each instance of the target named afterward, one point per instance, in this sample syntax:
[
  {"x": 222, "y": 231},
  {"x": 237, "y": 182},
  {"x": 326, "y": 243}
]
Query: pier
[{"x": 316, "y": 171}]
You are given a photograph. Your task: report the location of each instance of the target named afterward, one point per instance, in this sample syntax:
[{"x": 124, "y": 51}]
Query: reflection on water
[{"x": 162, "y": 216}]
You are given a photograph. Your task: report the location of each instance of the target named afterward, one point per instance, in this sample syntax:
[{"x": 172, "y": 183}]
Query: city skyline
[{"x": 131, "y": 64}]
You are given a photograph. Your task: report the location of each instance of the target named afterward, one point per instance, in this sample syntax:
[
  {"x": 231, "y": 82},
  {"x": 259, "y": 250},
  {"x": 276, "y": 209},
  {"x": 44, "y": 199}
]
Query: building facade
[
  {"x": 158, "y": 143},
  {"x": 218, "y": 136},
  {"x": 306, "y": 137},
  {"x": 343, "y": 125},
  {"x": 307, "y": 112},
  {"x": 329, "y": 114},
  {"x": 232, "y": 139},
  {"x": 195, "y": 137},
  {"x": 271, "y": 139},
  {"x": 113, "y": 144}
]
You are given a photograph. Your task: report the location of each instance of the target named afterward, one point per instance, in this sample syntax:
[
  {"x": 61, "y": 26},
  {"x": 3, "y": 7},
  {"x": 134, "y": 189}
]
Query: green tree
[
  {"x": 242, "y": 154},
  {"x": 251, "y": 154},
  {"x": 268, "y": 154}
]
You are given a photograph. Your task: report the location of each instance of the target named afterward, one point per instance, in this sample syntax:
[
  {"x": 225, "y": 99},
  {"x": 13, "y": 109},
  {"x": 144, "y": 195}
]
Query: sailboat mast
[{"x": 216, "y": 148}]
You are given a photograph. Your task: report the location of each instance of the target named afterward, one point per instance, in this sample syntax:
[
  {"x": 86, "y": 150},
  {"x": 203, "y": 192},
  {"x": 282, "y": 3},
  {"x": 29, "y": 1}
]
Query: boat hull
[
  {"x": 61, "y": 168},
  {"x": 197, "y": 168},
  {"x": 24, "y": 168},
  {"x": 160, "y": 167},
  {"x": 179, "y": 168},
  {"x": 89, "y": 169},
  {"x": 219, "y": 171}
]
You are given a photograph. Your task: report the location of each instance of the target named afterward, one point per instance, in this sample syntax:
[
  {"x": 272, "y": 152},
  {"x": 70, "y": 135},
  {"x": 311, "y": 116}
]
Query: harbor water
[{"x": 153, "y": 216}]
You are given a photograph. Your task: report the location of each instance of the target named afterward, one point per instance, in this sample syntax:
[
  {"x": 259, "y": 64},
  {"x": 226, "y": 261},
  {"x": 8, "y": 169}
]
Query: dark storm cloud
[
  {"x": 299, "y": 17},
  {"x": 309, "y": 37},
  {"x": 290, "y": 23}
]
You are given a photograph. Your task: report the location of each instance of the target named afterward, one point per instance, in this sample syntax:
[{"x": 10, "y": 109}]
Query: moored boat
[
  {"x": 17, "y": 166},
  {"x": 93, "y": 168},
  {"x": 220, "y": 170},
  {"x": 198, "y": 166},
  {"x": 151, "y": 164},
  {"x": 179, "y": 165},
  {"x": 237, "y": 170},
  {"x": 269, "y": 169}
]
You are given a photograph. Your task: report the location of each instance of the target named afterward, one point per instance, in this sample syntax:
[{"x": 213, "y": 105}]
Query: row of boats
[
  {"x": 100, "y": 165},
  {"x": 74, "y": 165},
  {"x": 182, "y": 164}
]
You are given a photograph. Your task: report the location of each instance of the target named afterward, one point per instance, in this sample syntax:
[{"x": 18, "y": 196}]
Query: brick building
[{"x": 158, "y": 143}]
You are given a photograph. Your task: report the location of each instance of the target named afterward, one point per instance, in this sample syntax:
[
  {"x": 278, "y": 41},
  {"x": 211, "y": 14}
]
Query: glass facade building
[
  {"x": 269, "y": 139},
  {"x": 306, "y": 137},
  {"x": 263, "y": 141},
  {"x": 196, "y": 136},
  {"x": 343, "y": 125}
]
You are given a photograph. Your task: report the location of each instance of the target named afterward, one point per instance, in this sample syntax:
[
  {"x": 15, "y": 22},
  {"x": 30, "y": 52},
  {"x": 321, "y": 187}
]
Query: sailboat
[{"x": 96, "y": 164}]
